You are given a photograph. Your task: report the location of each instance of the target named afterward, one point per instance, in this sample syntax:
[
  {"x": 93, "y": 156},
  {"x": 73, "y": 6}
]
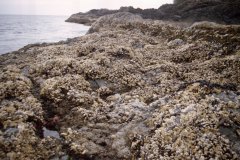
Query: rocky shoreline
[
  {"x": 130, "y": 89},
  {"x": 190, "y": 11}
]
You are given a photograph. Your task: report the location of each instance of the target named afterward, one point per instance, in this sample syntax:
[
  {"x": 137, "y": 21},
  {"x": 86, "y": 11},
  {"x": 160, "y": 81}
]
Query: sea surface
[{"x": 16, "y": 31}]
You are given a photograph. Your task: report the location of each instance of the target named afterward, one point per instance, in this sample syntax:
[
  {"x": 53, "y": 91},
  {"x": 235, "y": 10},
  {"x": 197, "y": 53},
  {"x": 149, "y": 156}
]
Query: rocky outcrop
[
  {"x": 130, "y": 89},
  {"x": 89, "y": 17},
  {"x": 225, "y": 12}
]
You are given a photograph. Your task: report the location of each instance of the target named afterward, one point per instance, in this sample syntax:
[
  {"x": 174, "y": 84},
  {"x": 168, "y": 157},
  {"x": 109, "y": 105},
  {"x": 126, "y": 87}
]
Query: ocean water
[{"x": 16, "y": 31}]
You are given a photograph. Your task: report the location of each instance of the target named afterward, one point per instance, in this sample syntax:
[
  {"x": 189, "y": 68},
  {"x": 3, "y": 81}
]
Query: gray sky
[{"x": 68, "y": 7}]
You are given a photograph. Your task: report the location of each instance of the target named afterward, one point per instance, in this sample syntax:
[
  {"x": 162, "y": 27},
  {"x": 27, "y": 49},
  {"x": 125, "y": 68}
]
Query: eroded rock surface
[{"x": 132, "y": 89}]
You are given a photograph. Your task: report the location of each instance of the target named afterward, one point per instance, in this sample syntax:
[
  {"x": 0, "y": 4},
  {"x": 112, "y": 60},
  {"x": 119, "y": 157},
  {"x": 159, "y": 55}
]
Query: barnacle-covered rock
[
  {"x": 58, "y": 67},
  {"x": 132, "y": 89},
  {"x": 21, "y": 120},
  {"x": 189, "y": 129},
  {"x": 14, "y": 84}
]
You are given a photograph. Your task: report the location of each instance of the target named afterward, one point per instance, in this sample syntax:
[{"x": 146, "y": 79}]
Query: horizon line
[{"x": 14, "y": 14}]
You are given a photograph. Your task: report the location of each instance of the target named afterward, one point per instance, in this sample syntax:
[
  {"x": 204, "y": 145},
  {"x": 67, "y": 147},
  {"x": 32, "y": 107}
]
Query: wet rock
[
  {"x": 238, "y": 132},
  {"x": 176, "y": 42},
  {"x": 50, "y": 133}
]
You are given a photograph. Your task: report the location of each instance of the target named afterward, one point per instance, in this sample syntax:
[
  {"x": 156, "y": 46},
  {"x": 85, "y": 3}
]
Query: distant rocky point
[{"x": 224, "y": 12}]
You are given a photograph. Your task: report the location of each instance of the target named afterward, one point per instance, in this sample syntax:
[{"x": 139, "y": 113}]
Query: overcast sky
[{"x": 68, "y": 7}]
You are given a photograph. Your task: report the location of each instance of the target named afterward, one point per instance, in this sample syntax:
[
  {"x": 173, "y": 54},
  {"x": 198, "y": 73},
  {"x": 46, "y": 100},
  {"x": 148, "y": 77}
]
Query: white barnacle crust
[{"x": 132, "y": 89}]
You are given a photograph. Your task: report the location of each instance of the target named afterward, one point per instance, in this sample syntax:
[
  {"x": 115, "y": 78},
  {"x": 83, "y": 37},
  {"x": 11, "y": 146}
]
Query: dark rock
[{"x": 225, "y": 12}]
